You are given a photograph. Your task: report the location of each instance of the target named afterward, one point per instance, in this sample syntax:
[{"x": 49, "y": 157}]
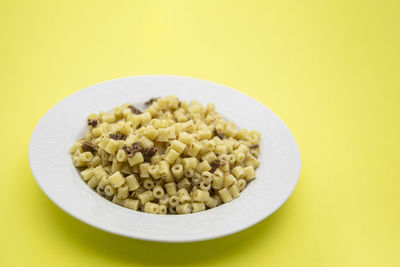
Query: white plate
[{"x": 65, "y": 122}]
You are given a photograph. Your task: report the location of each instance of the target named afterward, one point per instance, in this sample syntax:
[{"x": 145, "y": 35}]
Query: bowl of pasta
[{"x": 164, "y": 158}]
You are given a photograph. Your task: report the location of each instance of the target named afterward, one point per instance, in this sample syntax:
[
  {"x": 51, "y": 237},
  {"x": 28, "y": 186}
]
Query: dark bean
[
  {"x": 216, "y": 133},
  {"x": 87, "y": 146},
  {"x": 134, "y": 110},
  {"x": 151, "y": 100},
  {"x": 127, "y": 150},
  {"x": 132, "y": 150},
  {"x": 92, "y": 123},
  {"x": 214, "y": 165},
  {"x": 137, "y": 147},
  {"x": 118, "y": 136},
  {"x": 148, "y": 153}
]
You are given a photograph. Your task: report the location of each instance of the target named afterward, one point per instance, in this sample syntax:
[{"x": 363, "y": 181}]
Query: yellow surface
[{"x": 329, "y": 69}]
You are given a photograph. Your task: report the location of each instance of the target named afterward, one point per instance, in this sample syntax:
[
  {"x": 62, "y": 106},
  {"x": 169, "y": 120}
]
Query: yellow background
[{"x": 329, "y": 69}]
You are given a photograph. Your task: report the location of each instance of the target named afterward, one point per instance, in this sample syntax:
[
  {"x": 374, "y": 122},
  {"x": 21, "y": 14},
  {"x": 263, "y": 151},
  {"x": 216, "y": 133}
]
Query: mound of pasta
[{"x": 173, "y": 158}]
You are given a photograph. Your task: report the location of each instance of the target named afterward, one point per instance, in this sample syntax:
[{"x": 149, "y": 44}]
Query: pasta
[{"x": 174, "y": 157}]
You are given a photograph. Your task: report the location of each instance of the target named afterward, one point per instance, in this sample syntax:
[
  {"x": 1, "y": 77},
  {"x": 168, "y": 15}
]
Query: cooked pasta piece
[
  {"x": 183, "y": 195},
  {"x": 123, "y": 192},
  {"x": 177, "y": 171},
  {"x": 158, "y": 191},
  {"x": 116, "y": 180},
  {"x": 145, "y": 197},
  {"x": 198, "y": 206},
  {"x": 225, "y": 195},
  {"x": 162, "y": 209},
  {"x": 171, "y": 188},
  {"x": 132, "y": 182},
  {"x": 184, "y": 208},
  {"x": 131, "y": 204},
  {"x": 150, "y": 207}
]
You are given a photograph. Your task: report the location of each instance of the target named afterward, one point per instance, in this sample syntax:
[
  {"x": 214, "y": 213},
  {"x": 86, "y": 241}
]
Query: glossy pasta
[{"x": 173, "y": 158}]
